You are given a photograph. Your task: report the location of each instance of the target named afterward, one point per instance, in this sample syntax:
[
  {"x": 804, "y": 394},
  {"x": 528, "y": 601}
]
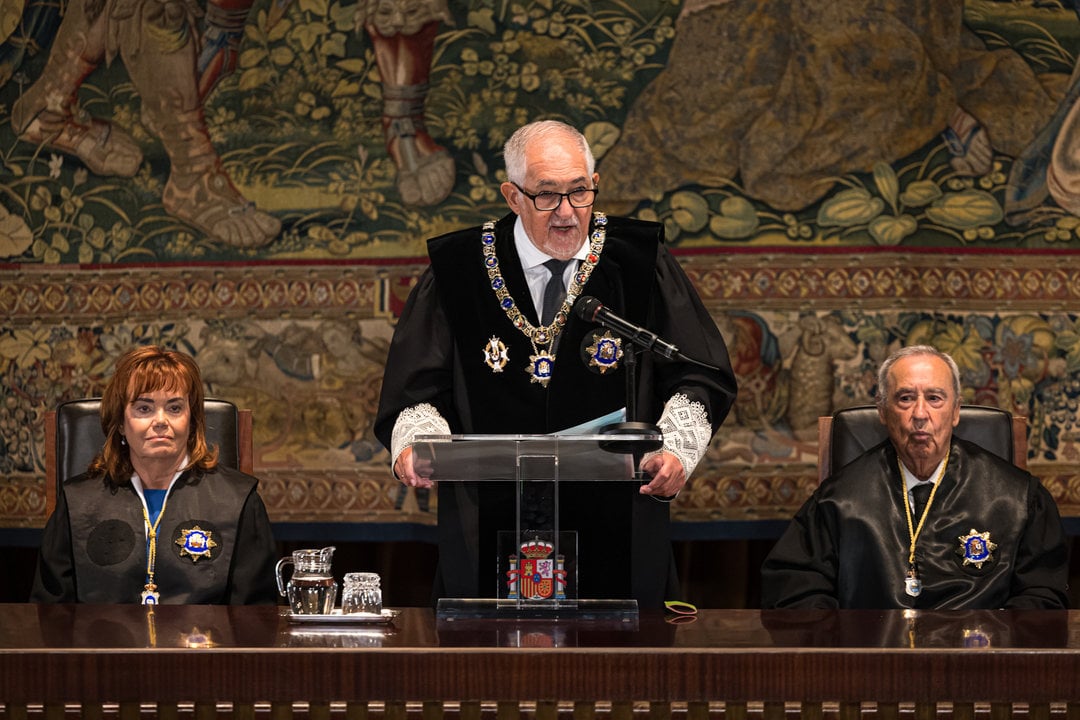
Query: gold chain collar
[{"x": 544, "y": 334}]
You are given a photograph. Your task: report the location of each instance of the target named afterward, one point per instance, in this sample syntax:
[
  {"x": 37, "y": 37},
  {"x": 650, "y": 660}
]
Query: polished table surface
[{"x": 87, "y": 653}]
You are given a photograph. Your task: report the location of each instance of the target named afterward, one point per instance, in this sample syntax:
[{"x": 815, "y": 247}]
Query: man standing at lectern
[{"x": 487, "y": 343}]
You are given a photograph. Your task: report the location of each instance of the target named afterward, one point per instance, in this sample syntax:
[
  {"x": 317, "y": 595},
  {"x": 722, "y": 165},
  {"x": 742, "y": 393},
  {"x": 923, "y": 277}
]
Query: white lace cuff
[
  {"x": 422, "y": 419},
  {"x": 687, "y": 431}
]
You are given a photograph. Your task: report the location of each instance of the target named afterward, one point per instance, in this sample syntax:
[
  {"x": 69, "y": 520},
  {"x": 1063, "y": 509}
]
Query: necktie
[
  {"x": 921, "y": 494},
  {"x": 554, "y": 291}
]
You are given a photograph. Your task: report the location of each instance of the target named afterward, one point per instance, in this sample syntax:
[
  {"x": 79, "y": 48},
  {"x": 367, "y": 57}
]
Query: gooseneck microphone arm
[{"x": 592, "y": 310}]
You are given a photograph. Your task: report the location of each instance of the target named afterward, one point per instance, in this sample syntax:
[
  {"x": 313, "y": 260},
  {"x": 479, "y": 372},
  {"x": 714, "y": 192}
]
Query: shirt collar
[
  {"x": 136, "y": 481},
  {"x": 910, "y": 480}
]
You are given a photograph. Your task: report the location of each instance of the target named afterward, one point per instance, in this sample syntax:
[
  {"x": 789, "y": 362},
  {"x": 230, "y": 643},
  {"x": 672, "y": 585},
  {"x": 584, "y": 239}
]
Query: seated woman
[{"x": 156, "y": 519}]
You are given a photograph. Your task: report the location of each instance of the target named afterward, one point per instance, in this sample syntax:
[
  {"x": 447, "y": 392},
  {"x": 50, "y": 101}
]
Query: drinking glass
[{"x": 362, "y": 594}]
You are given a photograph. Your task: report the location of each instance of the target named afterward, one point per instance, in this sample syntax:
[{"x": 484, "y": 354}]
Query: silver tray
[{"x": 336, "y": 617}]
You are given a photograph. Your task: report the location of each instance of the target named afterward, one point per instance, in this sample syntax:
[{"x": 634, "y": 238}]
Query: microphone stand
[
  {"x": 592, "y": 310},
  {"x": 636, "y": 446},
  {"x": 632, "y": 426}
]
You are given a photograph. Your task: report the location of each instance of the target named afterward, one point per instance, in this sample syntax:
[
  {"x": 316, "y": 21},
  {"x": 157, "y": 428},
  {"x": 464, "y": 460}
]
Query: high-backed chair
[
  {"x": 851, "y": 432},
  {"x": 73, "y": 436}
]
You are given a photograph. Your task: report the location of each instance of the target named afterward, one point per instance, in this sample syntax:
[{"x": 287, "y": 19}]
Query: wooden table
[{"x": 244, "y": 661}]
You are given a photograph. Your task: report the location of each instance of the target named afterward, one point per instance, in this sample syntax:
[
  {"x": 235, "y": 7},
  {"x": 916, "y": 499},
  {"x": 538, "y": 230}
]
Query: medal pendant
[
  {"x": 912, "y": 584},
  {"x": 540, "y": 366},
  {"x": 495, "y": 354},
  {"x": 150, "y": 595}
]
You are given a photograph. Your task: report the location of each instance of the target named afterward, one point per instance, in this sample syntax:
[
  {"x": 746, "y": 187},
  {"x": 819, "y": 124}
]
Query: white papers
[{"x": 592, "y": 427}]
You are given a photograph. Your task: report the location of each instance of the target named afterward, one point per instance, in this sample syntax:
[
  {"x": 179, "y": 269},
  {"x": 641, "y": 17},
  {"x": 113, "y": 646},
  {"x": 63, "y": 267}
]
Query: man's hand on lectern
[
  {"x": 412, "y": 473},
  {"x": 667, "y": 473}
]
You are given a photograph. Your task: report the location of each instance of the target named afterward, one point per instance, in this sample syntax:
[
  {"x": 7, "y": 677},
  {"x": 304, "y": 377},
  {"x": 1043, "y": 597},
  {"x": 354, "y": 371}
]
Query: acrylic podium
[{"x": 537, "y": 560}]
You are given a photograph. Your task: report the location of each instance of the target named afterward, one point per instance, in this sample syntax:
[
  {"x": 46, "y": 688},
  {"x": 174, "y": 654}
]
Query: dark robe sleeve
[
  {"x": 682, "y": 319},
  {"x": 1041, "y": 572},
  {"x": 419, "y": 365},
  {"x": 801, "y": 569},
  {"x": 252, "y": 580},
  {"x": 54, "y": 581}
]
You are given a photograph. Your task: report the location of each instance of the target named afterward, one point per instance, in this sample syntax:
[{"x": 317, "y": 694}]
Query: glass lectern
[{"x": 537, "y": 568}]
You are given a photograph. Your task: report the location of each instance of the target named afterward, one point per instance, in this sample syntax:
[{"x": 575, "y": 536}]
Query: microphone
[{"x": 592, "y": 310}]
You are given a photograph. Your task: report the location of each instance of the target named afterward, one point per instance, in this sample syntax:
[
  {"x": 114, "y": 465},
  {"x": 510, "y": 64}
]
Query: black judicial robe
[
  {"x": 94, "y": 546},
  {"x": 848, "y": 545},
  {"x": 437, "y": 357}
]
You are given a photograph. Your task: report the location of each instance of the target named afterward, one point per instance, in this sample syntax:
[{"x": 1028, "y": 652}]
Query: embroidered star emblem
[
  {"x": 976, "y": 548},
  {"x": 604, "y": 352},
  {"x": 196, "y": 543}
]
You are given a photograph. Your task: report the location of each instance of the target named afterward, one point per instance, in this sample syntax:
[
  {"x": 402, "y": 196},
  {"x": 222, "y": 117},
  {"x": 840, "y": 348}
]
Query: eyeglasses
[{"x": 547, "y": 201}]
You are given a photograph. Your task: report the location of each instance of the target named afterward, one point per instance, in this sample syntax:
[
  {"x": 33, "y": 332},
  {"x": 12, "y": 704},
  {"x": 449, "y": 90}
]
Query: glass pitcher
[{"x": 311, "y": 589}]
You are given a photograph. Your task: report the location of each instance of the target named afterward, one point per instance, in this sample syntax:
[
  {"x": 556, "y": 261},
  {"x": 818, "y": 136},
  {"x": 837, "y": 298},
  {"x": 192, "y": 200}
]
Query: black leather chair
[
  {"x": 851, "y": 432},
  {"x": 73, "y": 436}
]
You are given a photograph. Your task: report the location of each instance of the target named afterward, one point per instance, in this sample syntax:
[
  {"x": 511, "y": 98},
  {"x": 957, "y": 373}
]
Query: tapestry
[
  {"x": 326, "y": 129},
  {"x": 254, "y": 183}
]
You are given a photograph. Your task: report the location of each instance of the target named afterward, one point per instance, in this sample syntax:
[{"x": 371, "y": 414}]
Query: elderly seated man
[{"x": 923, "y": 520}]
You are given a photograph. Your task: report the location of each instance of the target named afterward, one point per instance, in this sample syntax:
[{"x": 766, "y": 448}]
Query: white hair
[{"x": 514, "y": 149}]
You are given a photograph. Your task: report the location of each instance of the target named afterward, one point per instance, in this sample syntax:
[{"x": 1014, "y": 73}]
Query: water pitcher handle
[{"x": 277, "y": 571}]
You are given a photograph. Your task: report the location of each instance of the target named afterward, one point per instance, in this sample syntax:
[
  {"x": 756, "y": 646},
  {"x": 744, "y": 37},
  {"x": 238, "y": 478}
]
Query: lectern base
[{"x": 484, "y": 608}]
